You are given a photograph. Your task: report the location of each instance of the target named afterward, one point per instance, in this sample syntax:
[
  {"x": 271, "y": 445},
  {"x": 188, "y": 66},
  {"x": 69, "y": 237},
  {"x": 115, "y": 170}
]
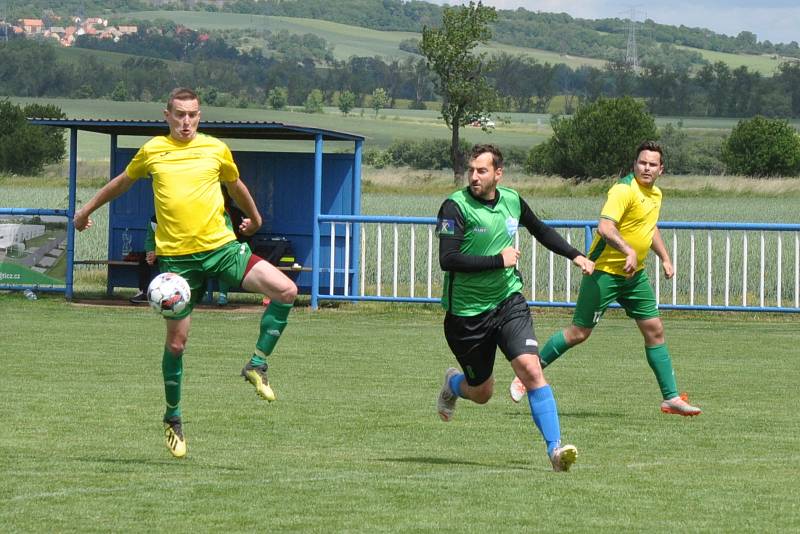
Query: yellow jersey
[
  {"x": 186, "y": 191},
  {"x": 635, "y": 210}
]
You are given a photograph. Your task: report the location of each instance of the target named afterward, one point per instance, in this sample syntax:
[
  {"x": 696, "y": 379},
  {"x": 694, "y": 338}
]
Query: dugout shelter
[{"x": 291, "y": 188}]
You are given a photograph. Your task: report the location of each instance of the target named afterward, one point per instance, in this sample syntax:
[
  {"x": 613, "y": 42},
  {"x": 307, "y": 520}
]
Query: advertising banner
[{"x": 33, "y": 250}]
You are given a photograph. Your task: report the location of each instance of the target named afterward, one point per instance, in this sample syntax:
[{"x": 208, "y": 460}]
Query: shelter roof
[{"x": 227, "y": 129}]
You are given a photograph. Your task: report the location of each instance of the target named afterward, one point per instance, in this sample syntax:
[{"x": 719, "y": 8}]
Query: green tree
[
  {"x": 208, "y": 95},
  {"x": 347, "y": 100},
  {"x": 278, "y": 97},
  {"x": 461, "y": 83},
  {"x": 599, "y": 140},
  {"x": 313, "y": 102},
  {"x": 380, "y": 99},
  {"x": 762, "y": 147},
  {"x": 120, "y": 92},
  {"x": 24, "y": 148}
]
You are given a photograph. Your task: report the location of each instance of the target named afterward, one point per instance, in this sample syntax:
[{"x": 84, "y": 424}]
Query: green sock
[
  {"x": 257, "y": 361},
  {"x": 272, "y": 324},
  {"x": 172, "y": 370},
  {"x": 661, "y": 364},
  {"x": 555, "y": 347}
]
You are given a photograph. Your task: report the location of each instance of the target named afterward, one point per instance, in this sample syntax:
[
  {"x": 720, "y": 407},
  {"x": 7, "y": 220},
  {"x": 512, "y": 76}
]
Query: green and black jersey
[{"x": 472, "y": 234}]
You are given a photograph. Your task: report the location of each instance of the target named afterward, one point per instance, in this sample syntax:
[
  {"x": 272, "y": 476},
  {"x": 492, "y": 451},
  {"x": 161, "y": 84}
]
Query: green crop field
[
  {"x": 767, "y": 65},
  {"x": 353, "y": 443},
  {"x": 77, "y": 55},
  {"x": 513, "y": 129},
  {"x": 390, "y": 124},
  {"x": 346, "y": 40}
]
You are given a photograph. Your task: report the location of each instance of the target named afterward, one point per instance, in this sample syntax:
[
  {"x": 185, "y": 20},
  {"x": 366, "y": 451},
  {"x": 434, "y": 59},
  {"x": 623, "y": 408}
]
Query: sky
[{"x": 773, "y": 20}]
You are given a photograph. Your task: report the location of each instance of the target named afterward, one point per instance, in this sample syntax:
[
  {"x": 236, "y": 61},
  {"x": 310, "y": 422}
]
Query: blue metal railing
[{"x": 727, "y": 273}]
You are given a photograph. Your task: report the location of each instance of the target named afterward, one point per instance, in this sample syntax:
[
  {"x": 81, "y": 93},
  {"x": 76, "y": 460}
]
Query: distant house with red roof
[{"x": 32, "y": 26}]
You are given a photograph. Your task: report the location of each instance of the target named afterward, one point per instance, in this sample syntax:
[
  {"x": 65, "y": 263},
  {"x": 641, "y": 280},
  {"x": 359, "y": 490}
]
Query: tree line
[{"x": 246, "y": 78}]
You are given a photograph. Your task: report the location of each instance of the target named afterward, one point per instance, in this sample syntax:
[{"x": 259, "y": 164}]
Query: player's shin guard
[
  {"x": 272, "y": 324},
  {"x": 555, "y": 347},
  {"x": 661, "y": 364},
  {"x": 545, "y": 415},
  {"x": 172, "y": 371}
]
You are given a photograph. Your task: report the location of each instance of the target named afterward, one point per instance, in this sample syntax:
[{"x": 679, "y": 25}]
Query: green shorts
[
  {"x": 634, "y": 294},
  {"x": 228, "y": 263}
]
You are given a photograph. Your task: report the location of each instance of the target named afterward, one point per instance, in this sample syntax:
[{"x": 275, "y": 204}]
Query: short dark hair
[
  {"x": 497, "y": 156},
  {"x": 650, "y": 146},
  {"x": 181, "y": 93}
]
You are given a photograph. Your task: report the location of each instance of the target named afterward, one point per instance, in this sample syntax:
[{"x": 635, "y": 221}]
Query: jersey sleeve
[
  {"x": 544, "y": 234},
  {"x": 616, "y": 203},
  {"x": 137, "y": 168},
  {"x": 229, "y": 172}
]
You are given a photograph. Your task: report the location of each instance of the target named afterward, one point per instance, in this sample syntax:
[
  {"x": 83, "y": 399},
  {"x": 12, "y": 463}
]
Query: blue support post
[
  {"x": 315, "y": 230},
  {"x": 356, "y": 236},
  {"x": 73, "y": 187},
  {"x": 112, "y": 172}
]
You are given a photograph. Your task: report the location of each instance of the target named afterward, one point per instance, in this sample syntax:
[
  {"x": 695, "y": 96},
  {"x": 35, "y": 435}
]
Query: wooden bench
[{"x": 105, "y": 262}]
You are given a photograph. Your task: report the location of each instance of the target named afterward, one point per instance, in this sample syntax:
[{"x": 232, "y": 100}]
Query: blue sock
[
  {"x": 455, "y": 384},
  {"x": 545, "y": 415}
]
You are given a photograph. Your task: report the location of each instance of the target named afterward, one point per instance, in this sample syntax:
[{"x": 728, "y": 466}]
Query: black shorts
[{"x": 474, "y": 340}]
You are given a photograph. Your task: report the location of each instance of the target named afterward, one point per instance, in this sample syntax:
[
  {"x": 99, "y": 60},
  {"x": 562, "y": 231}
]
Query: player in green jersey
[
  {"x": 484, "y": 307},
  {"x": 626, "y": 232},
  {"x": 192, "y": 240}
]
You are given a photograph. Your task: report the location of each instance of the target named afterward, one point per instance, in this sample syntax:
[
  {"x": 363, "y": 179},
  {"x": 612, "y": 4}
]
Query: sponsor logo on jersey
[
  {"x": 512, "y": 225},
  {"x": 446, "y": 227}
]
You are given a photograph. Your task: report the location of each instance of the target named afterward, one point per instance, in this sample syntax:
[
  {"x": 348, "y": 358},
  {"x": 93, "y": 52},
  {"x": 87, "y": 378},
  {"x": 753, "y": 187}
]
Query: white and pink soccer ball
[{"x": 169, "y": 294}]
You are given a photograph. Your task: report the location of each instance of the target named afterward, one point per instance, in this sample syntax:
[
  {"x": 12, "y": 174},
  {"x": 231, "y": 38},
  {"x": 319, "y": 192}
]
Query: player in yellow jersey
[
  {"x": 626, "y": 232},
  {"x": 193, "y": 240}
]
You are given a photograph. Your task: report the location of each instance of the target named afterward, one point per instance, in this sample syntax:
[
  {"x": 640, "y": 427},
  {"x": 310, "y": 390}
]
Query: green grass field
[
  {"x": 353, "y": 443},
  {"x": 522, "y": 130}
]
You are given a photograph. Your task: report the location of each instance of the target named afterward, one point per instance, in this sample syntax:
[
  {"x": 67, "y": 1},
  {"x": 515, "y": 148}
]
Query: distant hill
[
  {"x": 555, "y": 33},
  {"x": 348, "y": 40}
]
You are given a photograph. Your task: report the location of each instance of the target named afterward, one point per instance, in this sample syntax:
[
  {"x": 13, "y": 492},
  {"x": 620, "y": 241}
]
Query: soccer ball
[{"x": 168, "y": 294}]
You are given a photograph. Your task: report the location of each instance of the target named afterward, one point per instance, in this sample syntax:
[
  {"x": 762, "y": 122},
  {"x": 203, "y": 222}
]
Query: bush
[
  {"x": 541, "y": 159},
  {"x": 424, "y": 153},
  {"x": 514, "y": 155},
  {"x": 376, "y": 158},
  {"x": 431, "y": 154},
  {"x": 686, "y": 153},
  {"x": 762, "y": 147},
  {"x": 599, "y": 140}
]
